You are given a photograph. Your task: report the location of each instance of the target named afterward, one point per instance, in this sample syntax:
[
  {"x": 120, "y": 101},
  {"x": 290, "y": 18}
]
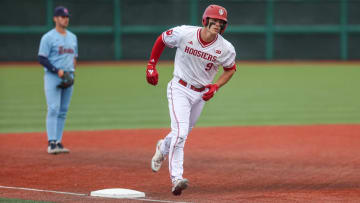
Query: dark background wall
[{"x": 127, "y": 29}]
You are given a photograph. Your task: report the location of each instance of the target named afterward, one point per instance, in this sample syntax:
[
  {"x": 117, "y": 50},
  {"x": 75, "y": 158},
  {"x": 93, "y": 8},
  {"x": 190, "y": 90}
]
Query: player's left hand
[
  {"x": 210, "y": 93},
  {"x": 152, "y": 75}
]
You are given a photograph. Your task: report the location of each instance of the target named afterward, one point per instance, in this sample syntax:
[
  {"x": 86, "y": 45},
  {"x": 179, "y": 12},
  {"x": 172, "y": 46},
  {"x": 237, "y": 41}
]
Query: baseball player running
[
  {"x": 57, "y": 53},
  {"x": 200, "y": 51}
]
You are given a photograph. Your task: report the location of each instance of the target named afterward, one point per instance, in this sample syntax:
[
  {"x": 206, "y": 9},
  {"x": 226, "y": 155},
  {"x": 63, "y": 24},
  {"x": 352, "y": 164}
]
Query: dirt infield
[{"x": 223, "y": 164}]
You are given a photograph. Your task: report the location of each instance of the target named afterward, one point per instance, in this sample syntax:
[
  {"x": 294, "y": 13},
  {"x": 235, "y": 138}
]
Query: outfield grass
[
  {"x": 5, "y": 200},
  {"x": 114, "y": 97}
]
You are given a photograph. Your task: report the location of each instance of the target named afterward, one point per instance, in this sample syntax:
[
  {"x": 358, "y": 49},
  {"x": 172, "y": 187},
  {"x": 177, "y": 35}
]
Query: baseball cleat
[
  {"x": 179, "y": 186},
  {"x": 52, "y": 149},
  {"x": 61, "y": 149},
  {"x": 158, "y": 158}
]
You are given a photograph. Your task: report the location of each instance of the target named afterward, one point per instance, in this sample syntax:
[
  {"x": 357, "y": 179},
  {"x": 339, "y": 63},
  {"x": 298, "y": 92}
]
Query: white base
[{"x": 118, "y": 193}]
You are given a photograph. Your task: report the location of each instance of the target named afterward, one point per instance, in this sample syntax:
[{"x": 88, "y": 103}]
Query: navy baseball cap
[{"x": 61, "y": 11}]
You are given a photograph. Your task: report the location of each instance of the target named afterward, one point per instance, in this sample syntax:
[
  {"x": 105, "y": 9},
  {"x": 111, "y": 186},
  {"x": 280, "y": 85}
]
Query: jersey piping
[{"x": 202, "y": 44}]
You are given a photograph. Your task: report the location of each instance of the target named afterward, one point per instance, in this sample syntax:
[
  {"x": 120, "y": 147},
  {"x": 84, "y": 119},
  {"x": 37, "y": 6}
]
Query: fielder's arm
[{"x": 46, "y": 63}]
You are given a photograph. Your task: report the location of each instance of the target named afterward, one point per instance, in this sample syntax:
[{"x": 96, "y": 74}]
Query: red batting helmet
[{"x": 217, "y": 12}]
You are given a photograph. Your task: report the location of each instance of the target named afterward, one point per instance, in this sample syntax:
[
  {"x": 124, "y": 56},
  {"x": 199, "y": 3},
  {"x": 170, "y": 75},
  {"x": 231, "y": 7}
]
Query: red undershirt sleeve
[{"x": 157, "y": 50}]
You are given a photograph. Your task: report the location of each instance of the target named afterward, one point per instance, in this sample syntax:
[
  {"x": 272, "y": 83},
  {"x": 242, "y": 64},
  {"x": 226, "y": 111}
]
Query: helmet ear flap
[
  {"x": 205, "y": 21},
  {"x": 223, "y": 27}
]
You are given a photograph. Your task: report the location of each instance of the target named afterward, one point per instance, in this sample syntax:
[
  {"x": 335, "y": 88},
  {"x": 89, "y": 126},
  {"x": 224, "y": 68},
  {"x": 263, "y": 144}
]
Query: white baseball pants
[{"x": 185, "y": 107}]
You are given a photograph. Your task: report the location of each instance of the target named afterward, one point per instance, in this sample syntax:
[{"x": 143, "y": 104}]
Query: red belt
[{"x": 192, "y": 86}]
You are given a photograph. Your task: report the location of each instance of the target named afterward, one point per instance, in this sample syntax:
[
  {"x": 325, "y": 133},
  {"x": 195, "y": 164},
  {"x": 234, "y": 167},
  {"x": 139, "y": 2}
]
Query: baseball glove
[{"x": 67, "y": 81}]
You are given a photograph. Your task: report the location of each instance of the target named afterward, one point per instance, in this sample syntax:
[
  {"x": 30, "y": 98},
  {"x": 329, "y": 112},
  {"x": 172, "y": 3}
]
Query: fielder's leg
[
  {"x": 64, "y": 106},
  {"x": 52, "y": 94}
]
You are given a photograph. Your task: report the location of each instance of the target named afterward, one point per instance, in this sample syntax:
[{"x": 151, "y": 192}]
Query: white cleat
[
  {"x": 52, "y": 148},
  {"x": 61, "y": 149},
  {"x": 158, "y": 158},
  {"x": 179, "y": 186}
]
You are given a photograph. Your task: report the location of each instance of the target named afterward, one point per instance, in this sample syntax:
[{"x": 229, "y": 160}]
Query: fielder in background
[
  {"x": 199, "y": 54},
  {"x": 57, "y": 53}
]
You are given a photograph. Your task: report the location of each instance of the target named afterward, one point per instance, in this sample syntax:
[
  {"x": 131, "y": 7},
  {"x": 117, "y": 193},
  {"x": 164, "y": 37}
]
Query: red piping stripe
[
  {"x": 177, "y": 122},
  {"x": 198, "y": 38}
]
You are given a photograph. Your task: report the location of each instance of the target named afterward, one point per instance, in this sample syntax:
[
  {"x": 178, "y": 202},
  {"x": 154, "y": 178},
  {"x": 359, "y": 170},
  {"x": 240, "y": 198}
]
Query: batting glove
[
  {"x": 210, "y": 93},
  {"x": 152, "y": 75}
]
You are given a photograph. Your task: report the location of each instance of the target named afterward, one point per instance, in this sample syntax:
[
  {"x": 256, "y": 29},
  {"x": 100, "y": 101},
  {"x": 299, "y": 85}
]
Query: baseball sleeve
[
  {"x": 172, "y": 37},
  {"x": 45, "y": 46},
  {"x": 229, "y": 58}
]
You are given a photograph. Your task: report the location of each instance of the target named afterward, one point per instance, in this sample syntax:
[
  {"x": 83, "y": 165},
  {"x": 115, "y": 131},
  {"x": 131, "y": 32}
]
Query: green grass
[
  {"x": 3, "y": 200},
  {"x": 113, "y": 97}
]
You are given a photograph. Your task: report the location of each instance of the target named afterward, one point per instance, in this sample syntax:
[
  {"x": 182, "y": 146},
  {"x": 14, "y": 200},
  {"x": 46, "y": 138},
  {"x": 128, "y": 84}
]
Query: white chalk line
[
  {"x": 81, "y": 194},
  {"x": 154, "y": 200},
  {"x": 38, "y": 190}
]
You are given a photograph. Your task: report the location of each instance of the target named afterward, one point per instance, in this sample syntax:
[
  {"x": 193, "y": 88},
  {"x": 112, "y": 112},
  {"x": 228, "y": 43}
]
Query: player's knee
[
  {"x": 53, "y": 110},
  {"x": 180, "y": 142},
  {"x": 180, "y": 130},
  {"x": 183, "y": 133},
  {"x": 62, "y": 114}
]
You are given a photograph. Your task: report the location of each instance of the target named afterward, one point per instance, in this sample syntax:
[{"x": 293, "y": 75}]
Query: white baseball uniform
[{"x": 196, "y": 65}]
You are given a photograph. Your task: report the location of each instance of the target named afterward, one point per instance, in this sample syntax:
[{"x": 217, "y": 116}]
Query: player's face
[
  {"x": 62, "y": 21},
  {"x": 215, "y": 25}
]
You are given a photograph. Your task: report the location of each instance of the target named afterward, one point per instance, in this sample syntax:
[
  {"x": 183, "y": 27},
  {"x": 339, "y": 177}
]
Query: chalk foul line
[{"x": 81, "y": 194}]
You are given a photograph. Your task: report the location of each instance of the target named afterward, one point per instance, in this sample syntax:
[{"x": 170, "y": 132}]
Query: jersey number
[{"x": 209, "y": 66}]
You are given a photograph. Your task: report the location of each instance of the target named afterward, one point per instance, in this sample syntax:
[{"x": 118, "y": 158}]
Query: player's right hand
[
  {"x": 60, "y": 73},
  {"x": 152, "y": 75}
]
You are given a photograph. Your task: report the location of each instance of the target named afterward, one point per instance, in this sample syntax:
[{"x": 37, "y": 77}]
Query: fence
[{"x": 127, "y": 29}]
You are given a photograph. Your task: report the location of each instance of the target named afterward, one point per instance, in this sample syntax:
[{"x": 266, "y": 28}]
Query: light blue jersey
[{"x": 59, "y": 49}]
